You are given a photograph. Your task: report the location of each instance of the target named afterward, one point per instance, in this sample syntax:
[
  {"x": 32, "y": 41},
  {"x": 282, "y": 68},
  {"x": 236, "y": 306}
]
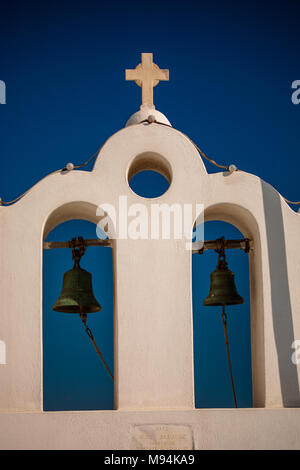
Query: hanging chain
[
  {"x": 83, "y": 317},
  {"x": 224, "y": 318}
]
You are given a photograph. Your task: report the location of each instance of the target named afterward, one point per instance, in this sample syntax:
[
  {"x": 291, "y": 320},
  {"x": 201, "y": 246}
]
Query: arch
[
  {"x": 246, "y": 223},
  {"x": 145, "y": 147},
  {"x": 148, "y": 168},
  {"x": 81, "y": 211},
  {"x": 212, "y": 379},
  {"x": 150, "y": 161},
  {"x": 77, "y": 210}
]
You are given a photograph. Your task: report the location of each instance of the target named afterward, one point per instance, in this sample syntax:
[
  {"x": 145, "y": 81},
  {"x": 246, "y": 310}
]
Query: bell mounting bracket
[
  {"x": 78, "y": 247},
  {"x": 222, "y": 264}
]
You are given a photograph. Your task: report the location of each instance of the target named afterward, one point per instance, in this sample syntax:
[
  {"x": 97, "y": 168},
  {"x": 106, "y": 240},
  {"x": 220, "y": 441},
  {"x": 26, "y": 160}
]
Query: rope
[
  {"x": 205, "y": 156},
  {"x": 291, "y": 202},
  {"x": 90, "y": 159},
  {"x": 90, "y": 335},
  {"x": 76, "y": 167},
  {"x": 4, "y": 203},
  {"x": 196, "y": 146},
  {"x": 224, "y": 318},
  {"x": 209, "y": 159},
  {"x": 8, "y": 203}
]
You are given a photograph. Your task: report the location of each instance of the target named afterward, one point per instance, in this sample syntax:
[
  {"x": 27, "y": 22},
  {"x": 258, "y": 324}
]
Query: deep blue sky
[{"x": 231, "y": 69}]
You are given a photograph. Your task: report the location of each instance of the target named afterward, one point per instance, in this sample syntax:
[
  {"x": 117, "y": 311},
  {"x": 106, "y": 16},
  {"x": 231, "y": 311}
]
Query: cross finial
[{"x": 147, "y": 75}]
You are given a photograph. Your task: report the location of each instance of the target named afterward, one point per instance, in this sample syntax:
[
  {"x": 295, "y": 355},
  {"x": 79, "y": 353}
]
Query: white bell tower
[{"x": 154, "y": 377}]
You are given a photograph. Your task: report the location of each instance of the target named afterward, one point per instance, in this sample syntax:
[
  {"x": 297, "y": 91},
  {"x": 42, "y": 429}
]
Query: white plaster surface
[
  {"x": 162, "y": 437},
  {"x": 211, "y": 429},
  {"x": 143, "y": 114},
  {"x": 153, "y": 303}
]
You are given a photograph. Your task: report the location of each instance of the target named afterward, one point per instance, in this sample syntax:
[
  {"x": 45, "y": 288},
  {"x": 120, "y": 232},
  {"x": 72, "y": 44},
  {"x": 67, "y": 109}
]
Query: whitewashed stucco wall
[{"x": 153, "y": 340}]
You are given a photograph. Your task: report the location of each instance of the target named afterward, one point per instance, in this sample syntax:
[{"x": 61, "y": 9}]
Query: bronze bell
[
  {"x": 77, "y": 293},
  {"x": 222, "y": 286}
]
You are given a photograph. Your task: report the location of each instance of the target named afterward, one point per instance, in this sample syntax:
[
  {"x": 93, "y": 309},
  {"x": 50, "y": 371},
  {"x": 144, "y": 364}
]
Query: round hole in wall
[{"x": 149, "y": 175}]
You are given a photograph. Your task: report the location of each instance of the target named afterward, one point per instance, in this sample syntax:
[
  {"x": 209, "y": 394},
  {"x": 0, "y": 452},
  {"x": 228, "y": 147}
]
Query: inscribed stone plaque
[{"x": 162, "y": 437}]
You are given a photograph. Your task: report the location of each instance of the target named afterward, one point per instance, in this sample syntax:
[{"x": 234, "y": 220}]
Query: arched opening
[
  {"x": 74, "y": 378},
  {"x": 149, "y": 184},
  {"x": 213, "y": 387},
  {"x": 149, "y": 175}
]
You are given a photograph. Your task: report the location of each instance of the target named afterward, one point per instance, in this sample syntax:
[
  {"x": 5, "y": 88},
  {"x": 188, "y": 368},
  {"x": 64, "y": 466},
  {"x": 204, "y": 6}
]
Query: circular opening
[{"x": 149, "y": 175}]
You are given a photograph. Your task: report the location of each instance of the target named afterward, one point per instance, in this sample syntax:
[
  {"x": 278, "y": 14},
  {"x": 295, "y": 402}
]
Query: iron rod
[
  {"x": 198, "y": 247},
  {"x": 77, "y": 243},
  {"x": 241, "y": 244}
]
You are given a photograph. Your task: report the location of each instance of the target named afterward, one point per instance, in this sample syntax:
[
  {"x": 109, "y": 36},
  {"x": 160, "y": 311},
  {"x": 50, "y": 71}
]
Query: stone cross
[{"x": 147, "y": 75}]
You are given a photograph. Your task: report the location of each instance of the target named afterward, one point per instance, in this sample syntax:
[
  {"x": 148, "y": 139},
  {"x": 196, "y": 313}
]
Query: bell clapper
[
  {"x": 83, "y": 317},
  {"x": 224, "y": 318}
]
